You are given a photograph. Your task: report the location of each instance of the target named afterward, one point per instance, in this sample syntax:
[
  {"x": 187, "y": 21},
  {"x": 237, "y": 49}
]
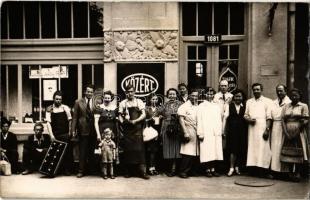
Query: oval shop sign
[{"x": 144, "y": 84}]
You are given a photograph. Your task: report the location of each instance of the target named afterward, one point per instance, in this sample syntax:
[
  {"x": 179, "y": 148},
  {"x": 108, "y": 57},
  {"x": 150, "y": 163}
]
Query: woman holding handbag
[
  {"x": 152, "y": 120},
  {"x": 170, "y": 131}
]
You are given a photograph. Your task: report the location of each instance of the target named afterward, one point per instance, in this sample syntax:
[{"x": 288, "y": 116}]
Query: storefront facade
[{"x": 154, "y": 46}]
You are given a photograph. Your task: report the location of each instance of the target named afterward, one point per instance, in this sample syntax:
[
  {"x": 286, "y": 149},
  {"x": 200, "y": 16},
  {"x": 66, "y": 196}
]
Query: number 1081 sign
[{"x": 213, "y": 39}]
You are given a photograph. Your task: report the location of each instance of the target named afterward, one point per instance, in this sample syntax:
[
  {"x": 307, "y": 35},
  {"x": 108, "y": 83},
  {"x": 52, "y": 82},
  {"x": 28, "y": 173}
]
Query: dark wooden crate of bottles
[{"x": 53, "y": 158}]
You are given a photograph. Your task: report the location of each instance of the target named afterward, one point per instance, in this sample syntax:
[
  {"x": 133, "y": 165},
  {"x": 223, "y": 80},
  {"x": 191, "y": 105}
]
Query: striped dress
[{"x": 171, "y": 141}]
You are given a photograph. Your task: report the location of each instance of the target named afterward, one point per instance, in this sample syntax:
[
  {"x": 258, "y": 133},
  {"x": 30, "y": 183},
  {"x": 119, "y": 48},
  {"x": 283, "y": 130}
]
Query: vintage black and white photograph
[{"x": 155, "y": 100}]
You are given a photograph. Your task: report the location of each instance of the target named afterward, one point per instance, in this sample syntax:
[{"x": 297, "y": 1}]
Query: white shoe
[
  {"x": 231, "y": 172},
  {"x": 237, "y": 170}
]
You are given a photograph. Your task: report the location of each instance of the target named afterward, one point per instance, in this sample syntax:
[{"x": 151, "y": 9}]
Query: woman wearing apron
[{"x": 132, "y": 115}]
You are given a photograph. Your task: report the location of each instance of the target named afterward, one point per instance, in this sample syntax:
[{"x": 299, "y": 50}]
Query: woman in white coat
[{"x": 209, "y": 131}]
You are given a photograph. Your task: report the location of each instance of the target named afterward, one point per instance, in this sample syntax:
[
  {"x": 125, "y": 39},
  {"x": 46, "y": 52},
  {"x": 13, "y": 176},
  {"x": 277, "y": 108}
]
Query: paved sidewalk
[{"x": 34, "y": 186}]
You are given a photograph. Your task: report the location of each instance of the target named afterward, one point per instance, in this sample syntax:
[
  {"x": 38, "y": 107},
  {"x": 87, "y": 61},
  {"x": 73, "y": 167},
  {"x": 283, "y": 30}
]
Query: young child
[{"x": 107, "y": 153}]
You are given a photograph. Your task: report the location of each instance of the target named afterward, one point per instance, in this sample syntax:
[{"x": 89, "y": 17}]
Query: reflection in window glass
[
  {"x": 48, "y": 19},
  {"x": 16, "y": 20},
  {"x": 221, "y": 18},
  {"x": 3, "y": 91},
  {"x": 202, "y": 52},
  {"x": 64, "y": 19},
  {"x": 32, "y": 19},
  {"x": 189, "y": 18},
  {"x": 99, "y": 76},
  {"x": 191, "y": 52},
  {"x": 86, "y": 75},
  {"x": 197, "y": 74},
  {"x": 4, "y": 30},
  {"x": 80, "y": 19},
  {"x": 12, "y": 92},
  {"x": 223, "y": 52},
  {"x": 204, "y": 18},
  {"x": 69, "y": 86},
  {"x": 234, "y": 51},
  {"x": 95, "y": 20},
  {"x": 236, "y": 18}
]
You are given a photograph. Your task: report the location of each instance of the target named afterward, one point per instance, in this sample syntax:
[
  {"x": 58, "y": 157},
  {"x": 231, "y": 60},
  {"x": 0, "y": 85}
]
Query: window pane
[
  {"x": 96, "y": 19},
  {"x": 204, "y": 18},
  {"x": 221, "y": 18},
  {"x": 191, "y": 52},
  {"x": 64, "y": 19},
  {"x": 69, "y": 86},
  {"x": 189, "y": 18},
  {"x": 223, "y": 54},
  {"x": 4, "y": 30},
  {"x": 86, "y": 75},
  {"x": 13, "y": 108},
  {"x": 80, "y": 19},
  {"x": 197, "y": 74},
  {"x": 30, "y": 96},
  {"x": 236, "y": 19},
  {"x": 202, "y": 52},
  {"x": 48, "y": 19},
  {"x": 16, "y": 20},
  {"x": 234, "y": 52},
  {"x": 99, "y": 76},
  {"x": 32, "y": 19},
  {"x": 3, "y": 109}
]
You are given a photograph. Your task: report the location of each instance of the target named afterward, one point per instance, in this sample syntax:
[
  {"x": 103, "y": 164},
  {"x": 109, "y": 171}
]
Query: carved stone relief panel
[{"x": 140, "y": 45}]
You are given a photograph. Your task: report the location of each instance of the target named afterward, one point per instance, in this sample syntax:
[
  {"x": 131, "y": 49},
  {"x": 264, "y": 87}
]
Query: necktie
[
  {"x": 88, "y": 104},
  {"x": 280, "y": 102},
  {"x": 224, "y": 98}
]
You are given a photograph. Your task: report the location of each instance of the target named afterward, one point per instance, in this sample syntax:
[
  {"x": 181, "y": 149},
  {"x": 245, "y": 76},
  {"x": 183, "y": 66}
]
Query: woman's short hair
[
  {"x": 209, "y": 89},
  {"x": 182, "y": 85},
  {"x": 109, "y": 92},
  {"x": 38, "y": 124},
  {"x": 172, "y": 89},
  {"x": 296, "y": 90}
]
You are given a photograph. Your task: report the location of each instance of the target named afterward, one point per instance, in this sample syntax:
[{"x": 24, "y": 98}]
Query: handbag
[
  {"x": 5, "y": 166},
  {"x": 149, "y": 133}
]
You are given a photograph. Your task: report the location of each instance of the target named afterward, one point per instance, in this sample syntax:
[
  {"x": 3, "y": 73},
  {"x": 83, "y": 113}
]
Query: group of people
[{"x": 198, "y": 130}]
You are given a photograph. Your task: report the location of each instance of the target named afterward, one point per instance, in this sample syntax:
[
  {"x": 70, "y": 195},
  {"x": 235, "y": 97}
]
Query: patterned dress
[{"x": 170, "y": 130}]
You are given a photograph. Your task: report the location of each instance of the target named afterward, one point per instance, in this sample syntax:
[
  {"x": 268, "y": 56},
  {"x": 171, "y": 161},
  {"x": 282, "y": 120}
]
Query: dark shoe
[
  {"x": 105, "y": 177},
  {"x": 155, "y": 172},
  {"x": 214, "y": 173},
  {"x": 80, "y": 175},
  {"x": 269, "y": 176},
  {"x": 183, "y": 175},
  {"x": 170, "y": 174},
  {"x": 112, "y": 177},
  {"x": 127, "y": 176},
  {"x": 145, "y": 176},
  {"x": 26, "y": 172},
  {"x": 208, "y": 174},
  {"x": 67, "y": 173}
]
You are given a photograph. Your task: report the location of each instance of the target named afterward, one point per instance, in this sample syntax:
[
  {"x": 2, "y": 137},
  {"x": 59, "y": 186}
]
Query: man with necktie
[{"x": 83, "y": 127}]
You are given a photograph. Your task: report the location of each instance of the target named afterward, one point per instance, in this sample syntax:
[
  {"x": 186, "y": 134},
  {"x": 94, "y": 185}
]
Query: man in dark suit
[
  {"x": 8, "y": 145},
  {"x": 83, "y": 127},
  {"x": 35, "y": 149}
]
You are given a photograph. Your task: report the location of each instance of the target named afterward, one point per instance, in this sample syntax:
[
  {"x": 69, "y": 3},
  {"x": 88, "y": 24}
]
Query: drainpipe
[{"x": 291, "y": 45}]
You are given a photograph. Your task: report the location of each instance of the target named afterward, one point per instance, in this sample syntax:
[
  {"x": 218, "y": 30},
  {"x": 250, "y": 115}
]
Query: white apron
[{"x": 259, "y": 153}]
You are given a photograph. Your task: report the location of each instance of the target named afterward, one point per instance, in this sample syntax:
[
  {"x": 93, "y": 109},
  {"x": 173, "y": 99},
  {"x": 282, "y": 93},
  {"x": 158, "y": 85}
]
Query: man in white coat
[
  {"x": 258, "y": 115},
  {"x": 276, "y": 133},
  {"x": 209, "y": 131},
  {"x": 188, "y": 120}
]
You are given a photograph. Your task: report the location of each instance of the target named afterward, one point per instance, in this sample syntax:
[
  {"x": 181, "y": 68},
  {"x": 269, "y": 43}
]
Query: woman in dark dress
[
  {"x": 170, "y": 131},
  {"x": 152, "y": 119},
  {"x": 132, "y": 115},
  {"x": 236, "y": 132}
]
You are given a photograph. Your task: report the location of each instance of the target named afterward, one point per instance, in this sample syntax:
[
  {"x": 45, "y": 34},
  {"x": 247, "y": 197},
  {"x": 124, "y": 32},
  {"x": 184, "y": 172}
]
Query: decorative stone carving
[{"x": 141, "y": 45}]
